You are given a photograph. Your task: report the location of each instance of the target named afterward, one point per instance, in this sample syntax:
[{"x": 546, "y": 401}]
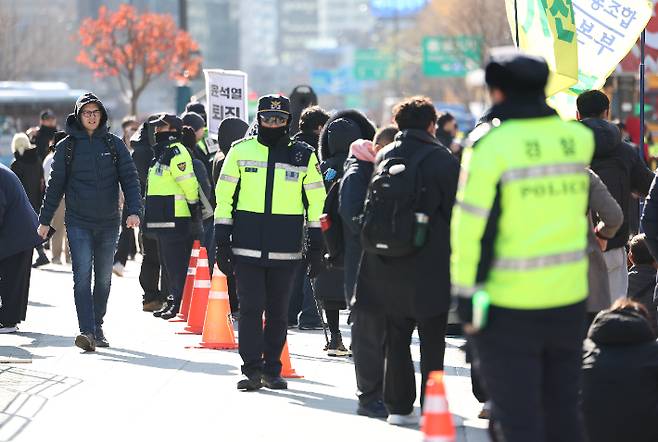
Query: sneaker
[
  {"x": 485, "y": 413},
  {"x": 117, "y": 269},
  {"x": 165, "y": 307},
  {"x": 311, "y": 327},
  {"x": 336, "y": 347},
  {"x": 152, "y": 306},
  {"x": 57, "y": 261},
  {"x": 86, "y": 342},
  {"x": 403, "y": 420},
  {"x": 41, "y": 261},
  {"x": 8, "y": 328},
  {"x": 375, "y": 409},
  {"x": 250, "y": 383},
  {"x": 274, "y": 382},
  {"x": 171, "y": 312},
  {"x": 101, "y": 341}
]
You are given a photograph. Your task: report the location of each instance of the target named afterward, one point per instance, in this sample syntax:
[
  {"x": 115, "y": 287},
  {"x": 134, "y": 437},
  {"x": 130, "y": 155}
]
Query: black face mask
[
  {"x": 164, "y": 137},
  {"x": 270, "y": 137}
]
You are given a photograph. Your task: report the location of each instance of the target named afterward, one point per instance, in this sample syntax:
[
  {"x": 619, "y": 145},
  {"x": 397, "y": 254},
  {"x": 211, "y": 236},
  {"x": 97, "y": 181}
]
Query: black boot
[
  {"x": 274, "y": 382},
  {"x": 250, "y": 383},
  {"x": 171, "y": 312}
]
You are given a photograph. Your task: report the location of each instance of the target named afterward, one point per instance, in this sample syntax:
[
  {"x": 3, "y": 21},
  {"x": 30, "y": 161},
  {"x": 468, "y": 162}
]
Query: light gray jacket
[{"x": 611, "y": 216}]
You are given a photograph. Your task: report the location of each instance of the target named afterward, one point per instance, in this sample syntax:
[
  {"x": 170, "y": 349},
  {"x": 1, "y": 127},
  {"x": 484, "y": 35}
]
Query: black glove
[
  {"x": 465, "y": 310},
  {"x": 315, "y": 264},
  {"x": 225, "y": 259}
]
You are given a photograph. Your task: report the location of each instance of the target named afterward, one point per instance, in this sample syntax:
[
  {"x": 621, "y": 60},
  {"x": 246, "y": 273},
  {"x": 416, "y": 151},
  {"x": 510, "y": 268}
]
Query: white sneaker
[
  {"x": 117, "y": 269},
  {"x": 403, "y": 420},
  {"x": 8, "y": 329}
]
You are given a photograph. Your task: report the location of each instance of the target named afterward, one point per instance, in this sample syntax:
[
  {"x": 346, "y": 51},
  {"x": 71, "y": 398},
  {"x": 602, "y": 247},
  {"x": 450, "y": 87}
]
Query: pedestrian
[
  {"x": 194, "y": 135},
  {"x": 642, "y": 277},
  {"x": 519, "y": 243},
  {"x": 259, "y": 233},
  {"x": 339, "y": 132},
  {"x": 620, "y": 376},
  {"x": 202, "y": 143},
  {"x": 59, "y": 240},
  {"x": 368, "y": 323},
  {"x": 152, "y": 275},
  {"x": 172, "y": 198},
  {"x": 88, "y": 167},
  {"x": 604, "y": 207},
  {"x": 412, "y": 285},
  {"x": 230, "y": 130},
  {"x": 126, "y": 246},
  {"x": 446, "y": 131},
  {"x": 45, "y": 133},
  {"x": 27, "y": 166},
  {"x": 303, "y": 311},
  {"x": 623, "y": 173},
  {"x": 18, "y": 224}
]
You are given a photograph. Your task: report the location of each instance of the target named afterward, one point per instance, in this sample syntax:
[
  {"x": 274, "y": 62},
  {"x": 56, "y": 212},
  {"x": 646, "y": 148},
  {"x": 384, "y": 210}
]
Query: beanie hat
[
  {"x": 341, "y": 134},
  {"x": 517, "y": 73},
  {"x": 193, "y": 120}
]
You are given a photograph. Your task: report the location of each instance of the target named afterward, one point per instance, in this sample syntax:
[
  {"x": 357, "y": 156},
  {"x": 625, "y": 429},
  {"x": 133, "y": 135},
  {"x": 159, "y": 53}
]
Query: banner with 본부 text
[{"x": 226, "y": 97}]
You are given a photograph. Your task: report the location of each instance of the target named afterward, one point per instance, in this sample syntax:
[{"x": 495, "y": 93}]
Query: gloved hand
[
  {"x": 225, "y": 259},
  {"x": 315, "y": 264}
]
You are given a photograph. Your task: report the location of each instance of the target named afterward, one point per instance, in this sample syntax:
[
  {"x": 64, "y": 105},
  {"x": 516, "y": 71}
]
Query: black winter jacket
[
  {"x": 620, "y": 379},
  {"x": 29, "y": 169},
  {"x": 142, "y": 155},
  {"x": 620, "y": 169},
  {"x": 18, "y": 221},
  {"x": 418, "y": 285},
  {"x": 353, "y": 190},
  {"x": 92, "y": 190},
  {"x": 641, "y": 288}
]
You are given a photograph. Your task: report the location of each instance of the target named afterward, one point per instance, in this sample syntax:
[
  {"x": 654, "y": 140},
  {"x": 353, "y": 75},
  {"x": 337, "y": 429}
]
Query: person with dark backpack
[{"x": 405, "y": 269}]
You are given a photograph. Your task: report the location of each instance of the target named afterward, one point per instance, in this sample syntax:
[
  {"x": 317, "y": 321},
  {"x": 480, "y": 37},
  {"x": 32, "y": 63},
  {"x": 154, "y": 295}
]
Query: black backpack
[
  {"x": 69, "y": 145},
  {"x": 389, "y": 213},
  {"x": 332, "y": 229}
]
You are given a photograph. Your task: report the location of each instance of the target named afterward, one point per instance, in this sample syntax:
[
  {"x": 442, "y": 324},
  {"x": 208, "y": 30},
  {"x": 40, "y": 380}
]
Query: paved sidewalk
[{"x": 149, "y": 385}]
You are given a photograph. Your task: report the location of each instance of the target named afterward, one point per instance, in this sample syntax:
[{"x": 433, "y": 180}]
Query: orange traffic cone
[
  {"x": 286, "y": 370},
  {"x": 200, "y": 293},
  {"x": 218, "y": 326},
  {"x": 189, "y": 285},
  {"x": 437, "y": 421}
]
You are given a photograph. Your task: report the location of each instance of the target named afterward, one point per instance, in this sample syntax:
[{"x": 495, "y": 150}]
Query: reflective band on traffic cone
[
  {"x": 189, "y": 285},
  {"x": 286, "y": 367},
  {"x": 437, "y": 420},
  {"x": 218, "y": 326},
  {"x": 199, "y": 296}
]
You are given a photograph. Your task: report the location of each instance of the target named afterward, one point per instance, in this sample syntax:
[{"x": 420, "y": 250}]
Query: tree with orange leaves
[{"x": 137, "y": 48}]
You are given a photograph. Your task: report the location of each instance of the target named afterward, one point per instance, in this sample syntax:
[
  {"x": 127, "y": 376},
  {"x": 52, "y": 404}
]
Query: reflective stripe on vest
[
  {"x": 278, "y": 256},
  {"x": 224, "y": 221},
  {"x": 538, "y": 262},
  {"x": 543, "y": 171},
  {"x": 229, "y": 179},
  {"x": 473, "y": 210},
  {"x": 161, "y": 225}
]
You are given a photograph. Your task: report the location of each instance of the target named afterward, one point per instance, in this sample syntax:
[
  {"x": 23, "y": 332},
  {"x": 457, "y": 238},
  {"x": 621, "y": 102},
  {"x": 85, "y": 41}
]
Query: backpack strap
[
  {"x": 69, "y": 152},
  {"x": 109, "y": 141}
]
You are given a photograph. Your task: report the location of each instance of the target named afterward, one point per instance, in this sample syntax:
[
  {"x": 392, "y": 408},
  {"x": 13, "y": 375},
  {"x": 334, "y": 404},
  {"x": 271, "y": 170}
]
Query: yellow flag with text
[{"x": 547, "y": 28}]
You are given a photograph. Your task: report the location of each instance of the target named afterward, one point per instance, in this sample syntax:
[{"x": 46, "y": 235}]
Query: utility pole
[{"x": 182, "y": 14}]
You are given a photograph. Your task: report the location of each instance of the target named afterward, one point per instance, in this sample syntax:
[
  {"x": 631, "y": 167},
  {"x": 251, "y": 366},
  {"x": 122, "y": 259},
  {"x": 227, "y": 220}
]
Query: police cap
[
  {"x": 173, "y": 121},
  {"x": 517, "y": 73},
  {"x": 274, "y": 105}
]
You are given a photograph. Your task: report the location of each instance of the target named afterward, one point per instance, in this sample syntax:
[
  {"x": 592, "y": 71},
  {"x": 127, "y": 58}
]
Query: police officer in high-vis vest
[
  {"x": 519, "y": 262},
  {"x": 172, "y": 194},
  {"x": 268, "y": 189}
]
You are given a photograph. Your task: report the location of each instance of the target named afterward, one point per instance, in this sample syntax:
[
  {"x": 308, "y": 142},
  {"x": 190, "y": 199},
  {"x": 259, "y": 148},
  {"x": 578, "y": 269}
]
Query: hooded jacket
[
  {"x": 230, "y": 130},
  {"x": 142, "y": 155},
  {"x": 620, "y": 379},
  {"x": 620, "y": 169},
  {"x": 18, "y": 221},
  {"x": 29, "y": 169},
  {"x": 92, "y": 189}
]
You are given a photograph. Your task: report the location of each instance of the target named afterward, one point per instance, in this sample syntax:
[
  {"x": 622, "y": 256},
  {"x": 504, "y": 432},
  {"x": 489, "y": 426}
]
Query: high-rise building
[
  {"x": 298, "y": 29},
  {"x": 215, "y": 25},
  {"x": 343, "y": 20}
]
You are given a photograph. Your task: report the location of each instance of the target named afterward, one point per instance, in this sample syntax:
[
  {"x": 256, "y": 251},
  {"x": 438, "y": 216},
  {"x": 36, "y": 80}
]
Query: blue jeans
[{"x": 91, "y": 247}]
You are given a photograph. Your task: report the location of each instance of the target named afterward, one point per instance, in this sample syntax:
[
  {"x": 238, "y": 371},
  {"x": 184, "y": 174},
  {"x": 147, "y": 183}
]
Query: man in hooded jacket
[{"x": 88, "y": 167}]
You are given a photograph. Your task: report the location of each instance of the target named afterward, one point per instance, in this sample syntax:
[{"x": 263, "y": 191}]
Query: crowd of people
[{"x": 527, "y": 227}]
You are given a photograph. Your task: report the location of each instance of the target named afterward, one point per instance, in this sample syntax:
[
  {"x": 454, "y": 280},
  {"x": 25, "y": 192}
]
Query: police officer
[
  {"x": 171, "y": 196},
  {"x": 519, "y": 238},
  {"x": 266, "y": 186}
]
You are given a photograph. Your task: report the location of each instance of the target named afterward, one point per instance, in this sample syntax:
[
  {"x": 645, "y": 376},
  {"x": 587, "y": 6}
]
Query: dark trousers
[
  {"x": 232, "y": 294},
  {"x": 208, "y": 241},
  {"x": 14, "y": 287},
  {"x": 399, "y": 378},
  {"x": 175, "y": 251},
  {"x": 263, "y": 289},
  {"x": 126, "y": 245},
  {"x": 302, "y": 300},
  {"x": 530, "y": 362},
  {"x": 151, "y": 272},
  {"x": 91, "y": 249},
  {"x": 368, "y": 339}
]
